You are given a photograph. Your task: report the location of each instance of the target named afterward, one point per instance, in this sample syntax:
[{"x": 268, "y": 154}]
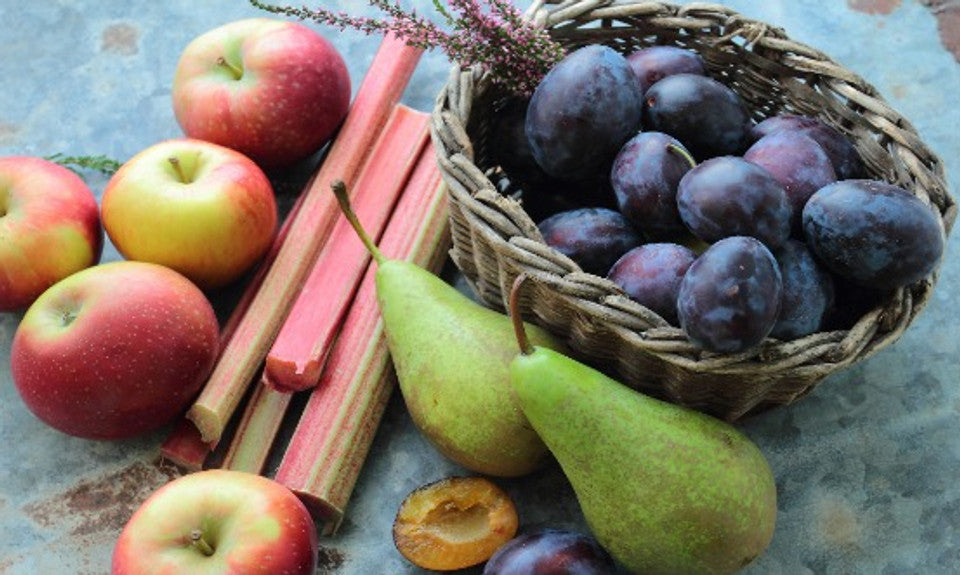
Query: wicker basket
[{"x": 494, "y": 239}]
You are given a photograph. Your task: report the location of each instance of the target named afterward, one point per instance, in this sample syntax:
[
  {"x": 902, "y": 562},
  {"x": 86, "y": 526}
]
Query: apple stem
[
  {"x": 197, "y": 540},
  {"x": 178, "y": 168},
  {"x": 518, "y": 329},
  {"x": 340, "y": 191},
  {"x": 236, "y": 71},
  {"x": 683, "y": 153}
]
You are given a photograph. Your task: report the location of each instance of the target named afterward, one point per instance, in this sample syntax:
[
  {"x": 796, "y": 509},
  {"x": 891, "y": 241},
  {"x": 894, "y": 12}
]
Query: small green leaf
[{"x": 100, "y": 163}]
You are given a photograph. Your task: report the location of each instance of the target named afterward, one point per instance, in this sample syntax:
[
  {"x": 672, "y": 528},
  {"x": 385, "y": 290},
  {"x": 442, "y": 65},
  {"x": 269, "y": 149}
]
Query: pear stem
[
  {"x": 515, "y": 317},
  {"x": 237, "y": 72},
  {"x": 197, "y": 540},
  {"x": 683, "y": 153},
  {"x": 178, "y": 169},
  {"x": 340, "y": 191}
]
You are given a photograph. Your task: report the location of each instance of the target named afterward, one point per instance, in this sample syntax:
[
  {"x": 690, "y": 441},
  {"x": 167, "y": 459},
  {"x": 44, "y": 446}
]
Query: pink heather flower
[{"x": 491, "y": 34}]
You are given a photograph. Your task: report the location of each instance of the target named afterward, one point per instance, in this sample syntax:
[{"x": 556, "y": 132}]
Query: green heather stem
[
  {"x": 340, "y": 191},
  {"x": 100, "y": 163},
  {"x": 683, "y": 153},
  {"x": 235, "y": 71},
  {"x": 197, "y": 540},
  {"x": 525, "y": 347}
]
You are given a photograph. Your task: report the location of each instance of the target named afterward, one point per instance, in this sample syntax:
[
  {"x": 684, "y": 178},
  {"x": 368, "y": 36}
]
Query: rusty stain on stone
[
  {"x": 947, "y": 13},
  {"x": 120, "y": 39},
  {"x": 329, "y": 560},
  {"x": 837, "y": 523},
  {"x": 948, "y": 23},
  {"x": 104, "y": 504},
  {"x": 874, "y": 6}
]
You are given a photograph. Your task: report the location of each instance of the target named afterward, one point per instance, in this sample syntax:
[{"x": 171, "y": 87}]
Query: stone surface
[{"x": 866, "y": 466}]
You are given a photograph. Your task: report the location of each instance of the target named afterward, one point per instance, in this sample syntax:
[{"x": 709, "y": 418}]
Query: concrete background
[{"x": 866, "y": 466}]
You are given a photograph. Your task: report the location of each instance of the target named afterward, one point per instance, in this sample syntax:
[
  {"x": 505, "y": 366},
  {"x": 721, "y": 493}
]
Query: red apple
[
  {"x": 49, "y": 228},
  {"x": 115, "y": 350},
  {"x": 271, "y": 89},
  {"x": 204, "y": 210},
  {"x": 218, "y": 522}
]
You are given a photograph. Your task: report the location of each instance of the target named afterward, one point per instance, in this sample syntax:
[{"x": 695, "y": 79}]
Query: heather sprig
[
  {"x": 100, "y": 163},
  {"x": 491, "y": 34}
]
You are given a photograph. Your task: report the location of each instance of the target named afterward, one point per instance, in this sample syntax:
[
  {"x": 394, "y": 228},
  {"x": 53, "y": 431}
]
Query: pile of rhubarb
[{"x": 307, "y": 324}]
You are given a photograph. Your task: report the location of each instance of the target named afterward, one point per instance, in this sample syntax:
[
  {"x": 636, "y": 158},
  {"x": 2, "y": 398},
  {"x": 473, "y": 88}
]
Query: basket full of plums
[{"x": 710, "y": 212}]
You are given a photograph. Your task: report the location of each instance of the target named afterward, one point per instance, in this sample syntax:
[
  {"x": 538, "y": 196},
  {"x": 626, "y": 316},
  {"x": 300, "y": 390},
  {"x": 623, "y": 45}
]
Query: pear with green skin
[
  {"x": 452, "y": 359},
  {"x": 664, "y": 489}
]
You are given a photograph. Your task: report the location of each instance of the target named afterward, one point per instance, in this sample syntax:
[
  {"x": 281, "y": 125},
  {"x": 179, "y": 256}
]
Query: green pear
[
  {"x": 452, "y": 358},
  {"x": 664, "y": 489}
]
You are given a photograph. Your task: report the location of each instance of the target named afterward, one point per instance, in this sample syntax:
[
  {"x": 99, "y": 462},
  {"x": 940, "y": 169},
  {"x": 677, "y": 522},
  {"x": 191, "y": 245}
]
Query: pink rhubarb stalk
[
  {"x": 331, "y": 441},
  {"x": 297, "y": 355},
  {"x": 380, "y": 91}
]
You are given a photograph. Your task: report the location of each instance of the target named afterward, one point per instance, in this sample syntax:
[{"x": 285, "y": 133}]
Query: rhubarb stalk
[
  {"x": 257, "y": 430},
  {"x": 330, "y": 443},
  {"x": 380, "y": 91},
  {"x": 297, "y": 355},
  {"x": 308, "y": 332},
  {"x": 184, "y": 446}
]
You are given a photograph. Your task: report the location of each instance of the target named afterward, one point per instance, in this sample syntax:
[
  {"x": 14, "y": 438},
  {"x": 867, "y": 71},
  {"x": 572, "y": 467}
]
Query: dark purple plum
[
  {"x": 729, "y": 196},
  {"x": 851, "y": 302},
  {"x": 550, "y": 552},
  {"x": 594, "y": 238},
  {"x": 651, "y": 275},
  {"x": 542, "y": 195},
  {"x": 644, "y": 177},
  {"x": 508, "y": 144},
  {"x": 841, "y": 151},
  {"x": 655, "y": 63},
  {"x": 707, "y": 116},
  {"x": 873, "y": 233},
  {"x": 808, "y": 292},
  {"x": 796, "y": 161},
  {"x": 730, "y": 297},
  {"x": 582, "y": 112}
]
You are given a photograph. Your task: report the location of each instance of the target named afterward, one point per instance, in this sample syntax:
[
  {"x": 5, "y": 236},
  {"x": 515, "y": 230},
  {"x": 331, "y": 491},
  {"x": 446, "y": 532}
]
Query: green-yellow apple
[
  {"x": 274, "y": 90},
  {"x": 218, "y": 522},
  {"x": 49, "y": 228},
  {"x": 115, "y": 350},
  {"x": 204, "y": 210}
]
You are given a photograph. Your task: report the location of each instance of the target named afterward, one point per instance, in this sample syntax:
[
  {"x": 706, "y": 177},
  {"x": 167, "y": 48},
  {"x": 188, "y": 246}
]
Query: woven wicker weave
[{"x": 494, "y": 239}]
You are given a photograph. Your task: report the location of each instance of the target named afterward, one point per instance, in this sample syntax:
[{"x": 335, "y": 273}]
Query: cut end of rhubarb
[
  {"x": 290, "y": 376},
  {"x": 327, "y": 517},
  {"x": 185, "y": 448},
  {"x": 208, "y": 422},
  {"x": 454, "y": 523}
]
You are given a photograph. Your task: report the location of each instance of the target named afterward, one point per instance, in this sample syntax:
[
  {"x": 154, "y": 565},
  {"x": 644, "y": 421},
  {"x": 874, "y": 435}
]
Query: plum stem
[
  {"x": 178, "y": 169},
  {"x": 522, "y": 340},
  {"x": 683, "y": 153},
  {"x": 235, "y": 71},
  {"x": 340, "y": 191},
  {"x": 197, "y": 540}
]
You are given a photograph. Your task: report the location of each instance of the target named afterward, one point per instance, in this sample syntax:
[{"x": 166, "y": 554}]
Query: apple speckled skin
[
  {"x": 252, "y": 524},
  {"x": 49, "y": 228},
  {"x": 286, "y": 94},
  {"x": 114, "y": 351}
]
